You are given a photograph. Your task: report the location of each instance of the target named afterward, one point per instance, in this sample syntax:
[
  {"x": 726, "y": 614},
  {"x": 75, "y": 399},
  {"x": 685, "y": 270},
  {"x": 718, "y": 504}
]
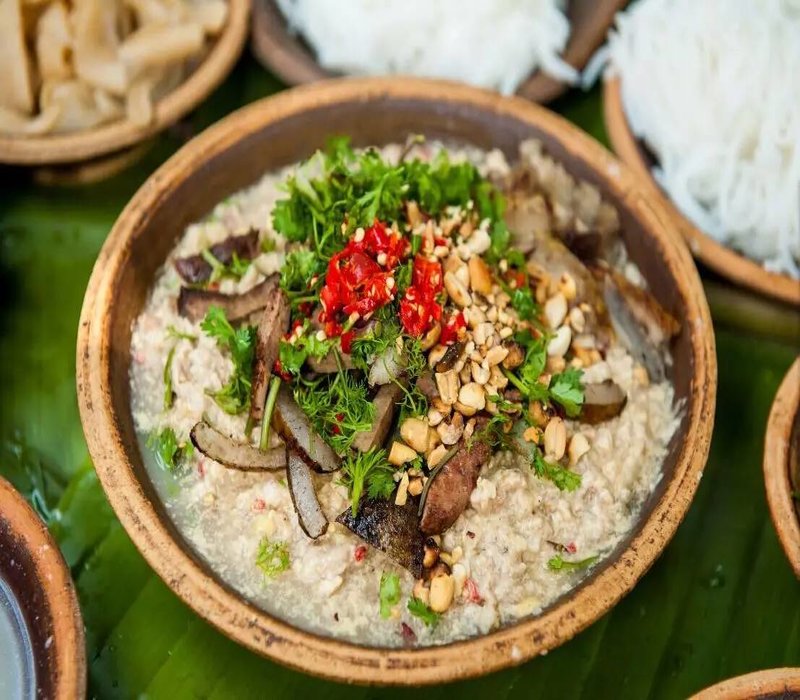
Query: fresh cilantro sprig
[
  {"x": 563, "y": 478},
  {"x": 272, "y": 557},
  {"x": 293, "y": 356},
  {"x": 419, "y": 609},
  {"x": 389, "y": 594},
  {"x": 357, "y": 188},
  {"x": 234, "y": 397},
  {"x": 235, "y": 269},
  {"x": 565, "y": 389},
  {"x": 170, "y": 454},
  {"x": 367, "y": 469},
  {"x": 558, "y": 563}
]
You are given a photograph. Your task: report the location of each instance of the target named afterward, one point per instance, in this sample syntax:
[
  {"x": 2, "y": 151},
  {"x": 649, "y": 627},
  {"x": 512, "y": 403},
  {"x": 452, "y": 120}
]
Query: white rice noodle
[
  {"x": 713, "y": 88},
  {"x": 490, "y": 43}
]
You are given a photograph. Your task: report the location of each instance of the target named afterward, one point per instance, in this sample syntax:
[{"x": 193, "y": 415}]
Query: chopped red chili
[{"x": 419, "y": 310}]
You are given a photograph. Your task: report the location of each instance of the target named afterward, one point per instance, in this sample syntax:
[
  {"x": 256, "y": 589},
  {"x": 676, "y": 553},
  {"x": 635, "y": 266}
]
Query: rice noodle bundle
[
  {"x": 713, "y": 88},
  {"x": 491, "y": 43}
]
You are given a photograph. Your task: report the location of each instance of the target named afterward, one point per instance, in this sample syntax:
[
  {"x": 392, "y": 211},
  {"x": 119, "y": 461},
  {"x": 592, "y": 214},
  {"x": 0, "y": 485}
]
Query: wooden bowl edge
[
  {"x": 59, "y": 591},
  {"x": 777, "y": 452},
  {"x": 777, "y": 681},
  {"x": 323, "y": 656}
]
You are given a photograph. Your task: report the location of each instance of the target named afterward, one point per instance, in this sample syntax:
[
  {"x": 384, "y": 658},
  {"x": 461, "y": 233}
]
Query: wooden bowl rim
[
  {"x": 117, "y": 135},
  {"x": 777, "y": 454},
  {"x": 271, "y": 636},
  {"x": 720, "y": 258},
  {"x": 285, "y": 54},
  {"x": 761, "y": 684},
  {"x": 51, "y": 573}
]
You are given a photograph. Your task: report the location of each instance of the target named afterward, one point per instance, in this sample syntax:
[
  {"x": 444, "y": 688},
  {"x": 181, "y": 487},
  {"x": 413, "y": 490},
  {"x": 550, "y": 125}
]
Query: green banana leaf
[{"x": 721, "y": 600}]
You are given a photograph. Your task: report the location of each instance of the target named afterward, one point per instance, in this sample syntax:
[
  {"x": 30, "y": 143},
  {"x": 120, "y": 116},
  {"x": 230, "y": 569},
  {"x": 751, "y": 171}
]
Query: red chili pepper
[
  {"x": 419, "y": 309},
  {"x": 347, "y": 342},
  {"x": 451, "y": 328},
  {"x": 409, "y": 636},
  {"x": 571, "y": 548},
  {"x": 360, "y": 553},
  {"x": 259, "y": 504},
  {"x": 277, "y": 368}
]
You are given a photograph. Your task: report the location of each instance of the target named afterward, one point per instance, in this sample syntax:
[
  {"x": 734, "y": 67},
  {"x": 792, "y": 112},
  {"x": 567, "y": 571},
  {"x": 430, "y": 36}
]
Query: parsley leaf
[
  {"x": 370, "y": 469},
  {"x": 564, "y": 479},
  {"x": 293, "y": 355},
  {"x": 234, "y": 397},
  {"x": 558, "y": 563},
  {"x": 565, "y": 388},
  {"x": 169, "y": 453},
  {"x": 299, "y": 269},
  {"x": 524, "y": 303},
  {"x": 419, "y": 609},
  {"x": 272, "y": 557},
  {"x": 389, "y": 593}
]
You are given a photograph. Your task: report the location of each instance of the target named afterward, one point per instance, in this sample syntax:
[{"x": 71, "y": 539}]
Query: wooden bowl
[
  {"x": 782, "y": 464},
  {"x": 720, "y": 258},
  {"x": 281, "y": 130},
  {"x": 290, "y": 58},
  {"x": 778, "y": 683},
  {"x": 32, "y": 567},
  {"x": 115, "y": 136}
]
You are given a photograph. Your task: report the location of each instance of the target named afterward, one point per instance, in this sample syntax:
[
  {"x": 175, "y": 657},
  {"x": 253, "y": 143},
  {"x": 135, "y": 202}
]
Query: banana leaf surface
[{"x": 720, "y": 601}]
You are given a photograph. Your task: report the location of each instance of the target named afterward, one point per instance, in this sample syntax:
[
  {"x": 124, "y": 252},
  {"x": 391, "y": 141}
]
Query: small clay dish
[
  {"x": 111, "y": 138},
  {"x": 775, "y": 684},
  {"x": 38, "y": 602},
  {"x": 290, "y": 58},
  {"x": 723, "y": 260},
  {"x": 284, "y": 129},
  {"x": 782, "y": 464}
]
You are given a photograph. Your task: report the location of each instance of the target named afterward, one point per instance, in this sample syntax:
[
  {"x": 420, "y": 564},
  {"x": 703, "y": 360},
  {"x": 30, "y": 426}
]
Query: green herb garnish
[
  {"x": 565, "y": 388},
  {"x": 169, "y": 394},
  {"x": 170, "y": 454},
  {"x": 370, "y": 469},
  {"x": 272, "y": 557},
  {"x": 173, "y": 332},
  {"x": 419, "y": 609},
  {"x": 558, "y": 563},
  {"x": 389, "y": 593},
  {"x": 235, "y": 269},
  {"x": 337, "y": 407},
  {"x": 294, "y": 355},
  {"x": 563, "y": 478},
  {"x": 234, "y": 397}
]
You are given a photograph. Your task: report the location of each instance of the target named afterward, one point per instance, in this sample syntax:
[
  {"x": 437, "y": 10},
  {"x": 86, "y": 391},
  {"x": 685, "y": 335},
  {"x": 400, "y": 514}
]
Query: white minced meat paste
[{"x": 501, "y": 544}]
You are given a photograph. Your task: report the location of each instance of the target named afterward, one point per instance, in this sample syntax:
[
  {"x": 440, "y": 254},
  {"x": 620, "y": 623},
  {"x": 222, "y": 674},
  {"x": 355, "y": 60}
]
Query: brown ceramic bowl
[
  {"x": 290, "y": 58},
  {"x": 281, "y": 130},
  {"x": 41, "y": 590},
  {"x": 59, "y": 149},
  {"x": 782, "y": 464},
  {"x": 720, "y": 258},
  {"x": 775, "y": 684}
]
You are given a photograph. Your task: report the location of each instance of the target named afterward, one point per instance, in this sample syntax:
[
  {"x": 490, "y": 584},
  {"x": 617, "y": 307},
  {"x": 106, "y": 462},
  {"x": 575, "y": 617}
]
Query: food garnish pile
[
  {"x": 425, "y": 319},
  {"x": 77, "y": 64}
]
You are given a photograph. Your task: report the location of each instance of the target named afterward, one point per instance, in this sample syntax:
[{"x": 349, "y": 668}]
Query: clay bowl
[
  {"x": 778, "y": 683},
  {"x": 60, "y": 149},
  {"x": 723, "y": 260},
  {"x": 290, "y": 58},
  {"x": 782, "y": 464},
  {"x": 281, "y": 130},
  {"x": 34, "y": 577}
]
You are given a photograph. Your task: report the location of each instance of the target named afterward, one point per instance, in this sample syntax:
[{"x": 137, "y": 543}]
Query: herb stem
[
  {"x": 269, "y": 409},
  {"x": 515, "y": 380}
]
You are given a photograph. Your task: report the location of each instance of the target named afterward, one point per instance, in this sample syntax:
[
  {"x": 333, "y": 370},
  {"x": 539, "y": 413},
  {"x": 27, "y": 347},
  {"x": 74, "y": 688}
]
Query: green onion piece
[{"x": 269, "y": 408}]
